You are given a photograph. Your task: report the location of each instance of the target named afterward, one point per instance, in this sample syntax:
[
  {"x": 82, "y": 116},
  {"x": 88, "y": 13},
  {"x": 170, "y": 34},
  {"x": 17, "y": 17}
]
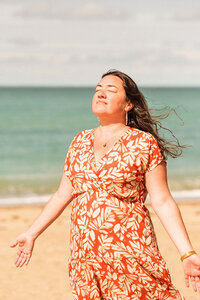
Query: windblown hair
[{"x": 140, "y": 117}]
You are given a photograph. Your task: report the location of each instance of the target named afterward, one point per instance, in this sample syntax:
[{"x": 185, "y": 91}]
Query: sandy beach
[{"x": 46, "y": 276}]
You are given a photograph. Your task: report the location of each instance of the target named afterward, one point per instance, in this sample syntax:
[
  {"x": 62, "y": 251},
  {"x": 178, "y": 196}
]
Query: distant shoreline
[{"x": 186, "y": 196}]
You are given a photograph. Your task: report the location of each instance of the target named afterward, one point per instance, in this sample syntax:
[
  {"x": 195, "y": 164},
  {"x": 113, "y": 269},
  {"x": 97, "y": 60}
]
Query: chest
[
  {"x": 126, "y": 155},
  {"x": 100, "y": 149}
]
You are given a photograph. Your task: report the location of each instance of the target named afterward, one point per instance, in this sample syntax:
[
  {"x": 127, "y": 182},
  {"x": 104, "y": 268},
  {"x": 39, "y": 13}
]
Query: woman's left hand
[{"x": 191, "y": 267}]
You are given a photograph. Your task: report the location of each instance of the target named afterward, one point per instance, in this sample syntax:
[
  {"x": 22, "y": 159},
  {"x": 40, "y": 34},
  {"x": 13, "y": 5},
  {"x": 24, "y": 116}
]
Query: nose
[{"x": 102, "y": 94}]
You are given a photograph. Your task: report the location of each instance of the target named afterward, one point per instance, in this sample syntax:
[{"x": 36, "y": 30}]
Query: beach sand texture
[{"x": 46, "y": 276}]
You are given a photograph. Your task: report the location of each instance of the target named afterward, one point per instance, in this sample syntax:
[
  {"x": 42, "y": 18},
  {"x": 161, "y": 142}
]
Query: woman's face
[{"x": 109, "y": 99}]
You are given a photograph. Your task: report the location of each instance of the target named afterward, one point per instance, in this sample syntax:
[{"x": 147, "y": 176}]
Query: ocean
[{"x": 37, "y": 125}]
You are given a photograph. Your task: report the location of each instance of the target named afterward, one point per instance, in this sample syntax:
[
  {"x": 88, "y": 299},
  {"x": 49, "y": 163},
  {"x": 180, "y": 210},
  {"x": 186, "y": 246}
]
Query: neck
[
  {"x": 112, "y": 124},
  {"x": 111, "y": 127}
]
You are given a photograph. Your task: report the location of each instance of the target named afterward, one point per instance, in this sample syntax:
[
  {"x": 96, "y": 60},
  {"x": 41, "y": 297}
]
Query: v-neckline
[{"x": 118, "y": 141}]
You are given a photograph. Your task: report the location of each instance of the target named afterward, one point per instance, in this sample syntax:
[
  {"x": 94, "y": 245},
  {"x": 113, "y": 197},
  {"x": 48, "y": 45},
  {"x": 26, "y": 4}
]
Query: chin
[
  {"x": 100, "y": 110},
  {"x": 100, "y": 113}
]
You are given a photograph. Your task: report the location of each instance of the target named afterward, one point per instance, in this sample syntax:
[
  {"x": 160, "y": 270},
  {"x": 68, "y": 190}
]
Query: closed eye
[{"x": 112, "y": 90}]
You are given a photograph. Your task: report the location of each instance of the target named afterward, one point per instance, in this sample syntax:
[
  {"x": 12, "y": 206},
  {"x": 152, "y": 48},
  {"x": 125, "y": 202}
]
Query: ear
[{"x": 129, "y": 106}]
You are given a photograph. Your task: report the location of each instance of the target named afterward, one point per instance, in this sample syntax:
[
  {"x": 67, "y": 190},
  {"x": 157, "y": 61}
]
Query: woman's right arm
[{"x": 54, "y": 207}]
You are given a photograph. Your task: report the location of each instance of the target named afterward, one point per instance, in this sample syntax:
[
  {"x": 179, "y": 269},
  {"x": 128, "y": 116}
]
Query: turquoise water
[{"x": 38, "y": 124}]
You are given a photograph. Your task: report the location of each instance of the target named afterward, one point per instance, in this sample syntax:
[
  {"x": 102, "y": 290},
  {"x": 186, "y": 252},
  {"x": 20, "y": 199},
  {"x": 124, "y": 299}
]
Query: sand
[{"x": 46, "y": 276}]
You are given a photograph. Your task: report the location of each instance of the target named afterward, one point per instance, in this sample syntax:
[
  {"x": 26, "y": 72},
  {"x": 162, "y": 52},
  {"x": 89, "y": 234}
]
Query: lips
[{"x": 101, "y": 102}]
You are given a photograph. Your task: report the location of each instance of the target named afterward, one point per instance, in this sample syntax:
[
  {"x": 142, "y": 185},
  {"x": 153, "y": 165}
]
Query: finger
[
  {"x": 18, "y": 256},
  {"x": 198, "y": 283},
  {"x": 27, "y": 259},
  {"x": 14, "y": 244},
  {"x": 22, "y": 261},
  {"x": 193, "y": 283},
  {"x": 187, "y": 281}
]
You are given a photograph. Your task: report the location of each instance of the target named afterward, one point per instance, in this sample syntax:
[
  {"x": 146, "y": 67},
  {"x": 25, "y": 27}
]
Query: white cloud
[
  {"x": 24, "y": 41},
  {"x": 94, "y": 53},
  {"x": 38, "y": 41},
  {"x": 37, "y": 58},
  {"x": 187, "y": 15},
  {"x": 67, "y": 11}
]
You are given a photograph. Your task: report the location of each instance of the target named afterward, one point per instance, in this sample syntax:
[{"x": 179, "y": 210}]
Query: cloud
[
  {"x": 18, "y": 58},
  {"x": 24, "y": 41},
  {"x": 155, "y": 39},
  {"x": 157, "y": 54},
  {"x": 38, "y": 58},
  {"x": 66, "y": 11},
  {"x": 187, "y": 15}
]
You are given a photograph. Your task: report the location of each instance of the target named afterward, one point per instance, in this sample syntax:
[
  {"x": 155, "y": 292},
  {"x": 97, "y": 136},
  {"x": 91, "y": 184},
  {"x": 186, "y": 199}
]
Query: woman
[{"x": 108, "y": 172}]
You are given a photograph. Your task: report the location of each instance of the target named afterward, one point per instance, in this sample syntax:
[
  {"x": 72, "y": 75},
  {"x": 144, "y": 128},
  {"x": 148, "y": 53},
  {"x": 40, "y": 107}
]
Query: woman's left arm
[{"x": 168, "y": 212}]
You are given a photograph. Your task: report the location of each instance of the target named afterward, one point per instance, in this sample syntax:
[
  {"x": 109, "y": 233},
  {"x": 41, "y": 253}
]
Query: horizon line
[{"x": 92, "y": 86}]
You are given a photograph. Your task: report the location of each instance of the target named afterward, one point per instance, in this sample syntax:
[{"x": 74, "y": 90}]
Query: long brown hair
[{"x": 140, "y": 117}]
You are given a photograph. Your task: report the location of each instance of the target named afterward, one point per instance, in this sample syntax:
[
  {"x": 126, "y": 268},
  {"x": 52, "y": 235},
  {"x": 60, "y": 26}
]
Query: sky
[{"x": 72, "y": 43}]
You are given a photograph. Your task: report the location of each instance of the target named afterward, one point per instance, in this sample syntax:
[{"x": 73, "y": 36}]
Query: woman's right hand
[
  {"x": 25, "y": 244},
  {"x": 191, "y": 267}
]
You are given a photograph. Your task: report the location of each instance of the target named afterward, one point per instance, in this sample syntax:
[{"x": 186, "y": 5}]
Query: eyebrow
[{"x": 108, "y": 85}]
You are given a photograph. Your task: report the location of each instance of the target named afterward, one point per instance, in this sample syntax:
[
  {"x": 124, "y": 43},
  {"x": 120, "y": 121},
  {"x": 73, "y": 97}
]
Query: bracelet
[{"x": 187, "y": 254}]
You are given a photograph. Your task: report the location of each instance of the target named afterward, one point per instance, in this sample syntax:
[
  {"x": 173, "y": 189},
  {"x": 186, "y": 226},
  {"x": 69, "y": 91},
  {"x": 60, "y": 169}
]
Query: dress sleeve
[
  {"x": 155, "y": 155},
  {"x": 67, "y": 162},
  {"x": 68, "y": 159}
]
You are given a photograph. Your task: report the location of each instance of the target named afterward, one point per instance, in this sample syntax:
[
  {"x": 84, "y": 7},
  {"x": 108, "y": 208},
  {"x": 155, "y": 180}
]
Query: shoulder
[
  {"x": 144, "y": 141},
  {"x": 141, "y": 135},
  {"x": 82, "y": 135}
]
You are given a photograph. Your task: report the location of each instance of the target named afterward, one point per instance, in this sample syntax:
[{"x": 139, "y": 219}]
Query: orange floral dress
[{"x": 113, "y": 249}]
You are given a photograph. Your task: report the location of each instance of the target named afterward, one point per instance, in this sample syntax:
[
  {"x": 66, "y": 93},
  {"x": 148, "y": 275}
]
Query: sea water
[{"x": 37, "y": 125}]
